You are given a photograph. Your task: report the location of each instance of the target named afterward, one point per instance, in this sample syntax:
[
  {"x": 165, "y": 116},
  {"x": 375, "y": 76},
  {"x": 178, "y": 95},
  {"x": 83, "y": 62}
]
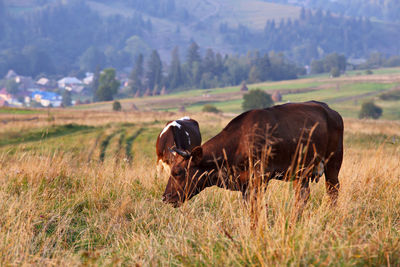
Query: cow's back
[
  {"x": 280, "y": 127},
  {"x": 312, "y": 126}
]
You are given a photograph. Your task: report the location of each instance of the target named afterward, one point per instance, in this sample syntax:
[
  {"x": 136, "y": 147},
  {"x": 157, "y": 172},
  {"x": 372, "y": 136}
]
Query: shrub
[
  {"x": 369, "y": 72},
  {"x": 256, "y": 99},
  {"x": 210, "y": 108},
  {"x": 394, "y": 95},
  {"x": 370, "y": 110},
  {"x": 116, "y": 106},
  {"x": 335, "y": 72}
]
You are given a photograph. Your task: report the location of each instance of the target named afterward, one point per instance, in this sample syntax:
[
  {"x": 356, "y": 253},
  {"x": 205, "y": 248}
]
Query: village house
[
  {"x": 10, "y": 75},
  {"x": 68, "y": 83},
  {"x": 89, "y": 78},
  {"x": 3, "y": 103},
  {"x": 24, "y": 82},
  {"x": 44, "y": 83},
  {"x": 8, "y": 99},
  {"x": 47, "y": 99},
  {"x": 4, "y": 95}
]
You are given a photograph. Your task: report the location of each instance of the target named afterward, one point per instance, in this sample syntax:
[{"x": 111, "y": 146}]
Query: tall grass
[{"x": 58, "y": 208}]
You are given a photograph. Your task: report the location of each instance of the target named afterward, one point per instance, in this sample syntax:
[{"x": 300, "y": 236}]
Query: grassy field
[
  {"x": 346, "y": 94},
  {"x": 80, "y": 188}
]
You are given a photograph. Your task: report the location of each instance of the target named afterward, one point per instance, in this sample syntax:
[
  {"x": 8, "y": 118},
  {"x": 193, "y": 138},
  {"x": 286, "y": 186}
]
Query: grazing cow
[
  {"x": 301, "y": 140},
  {"x": 183, "y": 134}
]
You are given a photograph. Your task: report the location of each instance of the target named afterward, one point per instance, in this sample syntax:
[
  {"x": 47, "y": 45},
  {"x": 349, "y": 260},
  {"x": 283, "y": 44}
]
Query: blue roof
[{"x": 47, "y": 95}]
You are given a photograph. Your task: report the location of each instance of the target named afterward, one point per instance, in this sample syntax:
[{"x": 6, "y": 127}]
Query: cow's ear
[{"x": 197, "y": 154}]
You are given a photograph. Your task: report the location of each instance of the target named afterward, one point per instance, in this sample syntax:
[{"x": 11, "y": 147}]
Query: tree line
[
  {"x": 388, "y": 10},
  {"x": 318, "y": 33},
  {"x": 150, "y": 76},
  {"x": 61, "y": 37}
]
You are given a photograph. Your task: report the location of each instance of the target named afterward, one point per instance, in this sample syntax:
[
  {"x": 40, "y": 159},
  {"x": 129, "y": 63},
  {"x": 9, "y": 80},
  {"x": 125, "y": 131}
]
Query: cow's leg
[
  {"x": 331, "y": 178},
  {"x": 332, "y": 169},
  {"x": 302, "y": 190}
]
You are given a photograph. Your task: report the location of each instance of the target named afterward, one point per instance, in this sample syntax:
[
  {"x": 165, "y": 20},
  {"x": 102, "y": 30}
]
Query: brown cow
[
  {"x": 183, "y": 134},
  {"x": 310, "y": 133}
]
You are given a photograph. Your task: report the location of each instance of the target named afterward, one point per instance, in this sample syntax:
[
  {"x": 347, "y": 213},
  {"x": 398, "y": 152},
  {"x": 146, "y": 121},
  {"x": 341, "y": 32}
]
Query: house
[
  {"x": 24, "y": 96},
  {"x": 69, "y": 82},
  {"x": 8, "y": 99},
  {"x": 89, "y": 78},
  {"x": 3, "y": 103},
  {"x": 24, "y": 82},
  {"x": 43, "y": 82},
  {"x": 47, "y": 98},
  {"x": 10, "y": 75},
  {"x": 4, "y": 95}
]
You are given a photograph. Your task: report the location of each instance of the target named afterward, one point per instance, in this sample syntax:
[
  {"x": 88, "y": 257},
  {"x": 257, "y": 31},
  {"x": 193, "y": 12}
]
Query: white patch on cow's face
[
  {"x": 188, "y": 137},
  {"x": 174, "y": 123},
  {"x": 186, "y": 118}
]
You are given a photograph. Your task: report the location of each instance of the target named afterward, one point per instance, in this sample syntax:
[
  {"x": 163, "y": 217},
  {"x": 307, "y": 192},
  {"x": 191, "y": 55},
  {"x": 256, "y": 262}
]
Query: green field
[
  {"x": 6, "y": 110},
  {"x": 346, "y": 94}
]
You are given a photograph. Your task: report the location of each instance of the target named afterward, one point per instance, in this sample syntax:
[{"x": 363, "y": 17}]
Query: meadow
[
  {"x": 79, "y": 187},
  {"x": 345, "y": 94}
]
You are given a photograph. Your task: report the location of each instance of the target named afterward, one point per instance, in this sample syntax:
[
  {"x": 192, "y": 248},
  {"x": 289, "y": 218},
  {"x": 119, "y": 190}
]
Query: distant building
[
  {"x": 10, "y": 75},
  {"x": 3, "y": 103},
  {"x": 8, "y": 99},
  {"x": 4, "y": 95},
  {"x": 69, "y": 82},
  {"x": 43, "y": 82},
  {"x": 89, "y": 78},
  {"x": 25, "y": 83},
  {"x": 47, "y": 98}
]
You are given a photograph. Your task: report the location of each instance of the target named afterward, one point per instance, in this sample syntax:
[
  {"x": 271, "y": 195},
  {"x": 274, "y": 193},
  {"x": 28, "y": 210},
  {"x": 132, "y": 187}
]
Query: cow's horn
[{"x": 180, "y": 152}]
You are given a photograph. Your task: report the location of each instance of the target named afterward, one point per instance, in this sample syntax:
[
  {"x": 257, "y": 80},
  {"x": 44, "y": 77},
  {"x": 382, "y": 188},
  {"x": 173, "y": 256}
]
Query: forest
[
  {"x": 212, "y": 70},
  {"x": 70, "y": 38},
  {"x": 316, "y": 34},
  {"x": 386, "y": 10}
]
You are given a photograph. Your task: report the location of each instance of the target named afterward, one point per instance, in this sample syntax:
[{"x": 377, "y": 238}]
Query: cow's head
[{"x": 188, "y": 177}]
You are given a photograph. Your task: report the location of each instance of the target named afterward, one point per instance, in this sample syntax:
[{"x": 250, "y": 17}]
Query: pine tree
[
  {"x": 193, "y": 64},
  {"x": 193, "y": 55},
  {"x": 137, "y": 75},
  {"x": 175, "y": 77},
  {"x": 95, "y": 82},
  {"x": 219, "y": 67},
  {"x": 154, "y": 73},
  {"x": 264, "y": 68},
  {"x": 209, "y": 61}
]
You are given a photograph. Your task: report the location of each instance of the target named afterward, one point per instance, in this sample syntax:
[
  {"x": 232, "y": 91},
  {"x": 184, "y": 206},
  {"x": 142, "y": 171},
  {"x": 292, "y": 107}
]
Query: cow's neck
[
  {"x": 218, "y": 156},
  {"x": 219, "y": 148}
]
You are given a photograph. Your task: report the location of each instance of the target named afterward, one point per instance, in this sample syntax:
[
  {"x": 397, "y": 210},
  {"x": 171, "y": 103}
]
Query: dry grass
[{"x": 58, "y": 208}]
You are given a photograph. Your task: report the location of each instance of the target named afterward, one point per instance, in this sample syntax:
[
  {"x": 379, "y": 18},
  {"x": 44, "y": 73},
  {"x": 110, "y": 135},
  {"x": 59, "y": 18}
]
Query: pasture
[
  {"x": 345, "y": 94},
  {"x": 80, "y": 187}
]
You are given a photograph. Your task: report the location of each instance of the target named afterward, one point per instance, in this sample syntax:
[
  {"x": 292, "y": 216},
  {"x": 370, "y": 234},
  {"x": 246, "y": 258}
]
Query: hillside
[
  {"x": 346, "y": 94},
  {"x": 206, "y": 17},
  {"x": 60, "y": 37}
]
